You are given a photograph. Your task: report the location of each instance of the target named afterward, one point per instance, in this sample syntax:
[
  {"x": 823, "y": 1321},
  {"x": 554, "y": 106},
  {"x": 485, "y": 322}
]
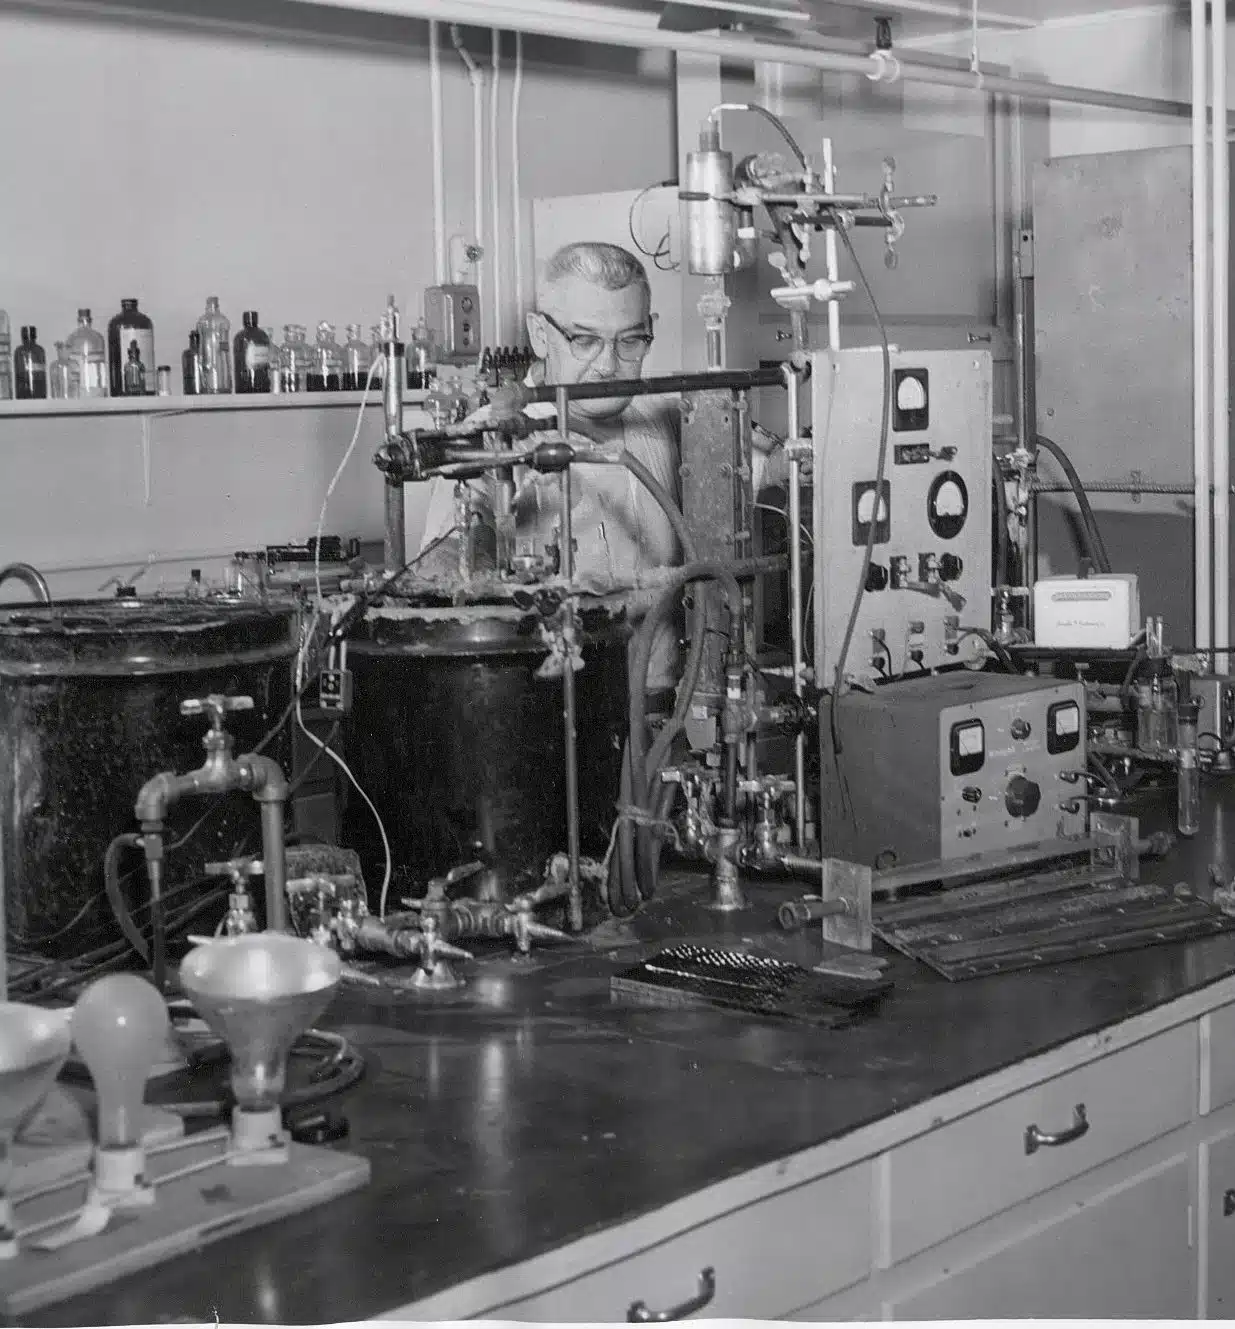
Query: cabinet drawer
[
  {"x": 1123, "y": 1254},
  {"x": 979, "y": 1165},
  {"x": 769, "y": 1259},
  {"x": 1220, "y": 1065}
]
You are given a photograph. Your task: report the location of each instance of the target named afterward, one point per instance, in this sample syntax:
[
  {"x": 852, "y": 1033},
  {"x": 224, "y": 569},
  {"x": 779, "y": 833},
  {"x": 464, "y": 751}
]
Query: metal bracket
[
  {"x": 849, "y": 885},
  {"x": 1114, "y": 844},
  {"x": 1022, "y": 250}
]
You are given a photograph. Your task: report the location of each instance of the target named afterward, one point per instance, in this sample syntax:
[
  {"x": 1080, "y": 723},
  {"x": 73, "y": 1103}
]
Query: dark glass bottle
[
  {"x": 252, "y": 356},
  {"x": 192, "y": 363},
  {"x": 130, "y": 325},
  {"x": 30, "y": 367}
]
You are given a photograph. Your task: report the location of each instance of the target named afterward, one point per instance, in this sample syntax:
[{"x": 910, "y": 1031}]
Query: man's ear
[{"x": 536, "y": 334}]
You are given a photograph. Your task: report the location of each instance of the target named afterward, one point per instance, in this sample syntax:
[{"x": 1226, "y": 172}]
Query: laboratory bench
[{"x": 1057, "y": 1141}]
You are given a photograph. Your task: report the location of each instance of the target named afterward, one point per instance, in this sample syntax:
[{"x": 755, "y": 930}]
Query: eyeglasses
[{"x": 629, "y": 347}]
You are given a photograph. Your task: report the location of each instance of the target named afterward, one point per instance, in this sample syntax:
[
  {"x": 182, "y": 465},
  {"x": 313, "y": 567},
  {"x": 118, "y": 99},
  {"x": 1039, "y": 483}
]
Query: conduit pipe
[
  {"x": 606, "y": 26},
  {"x": 516, "y": 192},
  {"x": 475, "y": 76},
  {"x": 1203, "y": 514},
  {"x": 439, "y": 155},
  {"x": 1220, "y": 423},
  {"x": 495, "y": 198}
]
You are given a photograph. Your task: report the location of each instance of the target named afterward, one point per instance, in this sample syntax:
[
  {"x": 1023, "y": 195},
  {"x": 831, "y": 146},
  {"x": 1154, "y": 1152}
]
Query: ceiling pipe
[
  {"x": 1220, "y": 326},
  {"x": 605, "y": 25},
  {"x": 1201, "y": 452}
]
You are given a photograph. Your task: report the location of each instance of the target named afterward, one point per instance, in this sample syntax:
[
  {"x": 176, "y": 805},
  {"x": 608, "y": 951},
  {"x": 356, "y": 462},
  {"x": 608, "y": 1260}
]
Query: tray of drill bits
[{"x": 706, "y": 977}]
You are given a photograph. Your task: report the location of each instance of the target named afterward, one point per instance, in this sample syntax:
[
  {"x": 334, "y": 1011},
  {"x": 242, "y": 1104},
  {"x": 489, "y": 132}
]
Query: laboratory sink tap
[{"x": 222, "y": 773}]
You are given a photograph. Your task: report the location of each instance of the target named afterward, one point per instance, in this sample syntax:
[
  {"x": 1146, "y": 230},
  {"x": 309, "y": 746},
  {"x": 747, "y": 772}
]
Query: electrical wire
[
  {"x": 880, "y": 470},
  {"x": 663, "y": 247}
]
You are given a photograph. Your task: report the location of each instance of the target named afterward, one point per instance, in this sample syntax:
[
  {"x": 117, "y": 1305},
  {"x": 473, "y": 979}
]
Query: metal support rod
[
  {"x": 274, "y": 865},
  {"x": 1203, "y": 514},
  {"x": 739, "y": 379},
  {"x": 794, "y": 430},
  {"x": 1221, "y": 421},
  {"x": 568, "y": 680},
  {"x": 395, "y": 545}
]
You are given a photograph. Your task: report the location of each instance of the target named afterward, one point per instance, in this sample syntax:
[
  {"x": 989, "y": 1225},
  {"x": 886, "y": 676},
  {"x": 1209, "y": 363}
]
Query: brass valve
[{"x": 215, "y": 707}]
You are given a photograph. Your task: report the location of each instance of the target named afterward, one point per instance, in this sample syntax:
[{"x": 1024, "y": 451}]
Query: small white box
[{"x": 1102, "y": 612}]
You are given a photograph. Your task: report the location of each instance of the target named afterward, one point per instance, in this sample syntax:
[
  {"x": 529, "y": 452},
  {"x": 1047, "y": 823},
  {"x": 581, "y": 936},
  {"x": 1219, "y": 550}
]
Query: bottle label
[
  {"x": 256, "y": 356},
  {"x": 91, "y": 374},
  {"x": 145, "y": 353}
]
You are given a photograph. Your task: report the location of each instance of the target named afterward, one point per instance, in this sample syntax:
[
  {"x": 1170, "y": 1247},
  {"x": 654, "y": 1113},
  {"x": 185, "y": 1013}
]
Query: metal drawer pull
[
  {"x": 1036, "y": 1139},
  {"x": 639, "y": 1313}
]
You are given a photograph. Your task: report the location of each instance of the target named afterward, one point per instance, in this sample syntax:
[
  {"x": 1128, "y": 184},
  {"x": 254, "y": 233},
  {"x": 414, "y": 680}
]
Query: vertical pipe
[
  {"x": 830, "y": 248},
  {"x": 794, "y": 430},
  {"x": 439, "y": 156},
  {"x": 1220, "y": 421},
  {"x": 568, "y": 678},
  {"x": 274, "y": 863},
  {"x": 495, "y": 202},
  {"x": 395, "y": 543},
  {"x": 1202, "y": 518},
  {"x": 516, "y": 195}
]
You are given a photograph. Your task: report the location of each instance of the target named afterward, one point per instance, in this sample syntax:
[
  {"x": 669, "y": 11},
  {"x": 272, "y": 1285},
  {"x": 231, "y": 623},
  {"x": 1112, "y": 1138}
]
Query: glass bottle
[
  {"x": 1188, "y": 805},
  {"x": 295, "y": 359},
  {"x": 216, "y": 348},
  {"x": 356, "y": 361},
  {"x": 377, "y": 353},
  {"x": 276, "y": 378},
  {"x": 128, "y": 326},
  {"x": 252, "y": 356},
  {"x": 191, "y": 363},
  {"x": 438, "y": 403},
  {"x": 134, "y": 384},
  {"x": 420, "y": 357},
  {"x": 30, "y": 367},
  {"x": 457, "y": 398},
  {"x": 327, "y": 373},
  {"x": 6, "y": 352},
  {"x": 63, "y": 376},
  {"x": 88, "y": 351}
]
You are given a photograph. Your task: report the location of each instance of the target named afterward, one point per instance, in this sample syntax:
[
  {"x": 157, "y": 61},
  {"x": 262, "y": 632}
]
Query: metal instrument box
[
  {"x": 930, "y": 572},
  {"x": 952, "y": 765},
  {"x": 453, "y": 316}
]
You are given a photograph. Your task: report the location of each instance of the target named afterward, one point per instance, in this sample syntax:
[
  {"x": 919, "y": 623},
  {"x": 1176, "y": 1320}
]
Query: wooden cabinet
[{"x": 1123, "y": 1253}]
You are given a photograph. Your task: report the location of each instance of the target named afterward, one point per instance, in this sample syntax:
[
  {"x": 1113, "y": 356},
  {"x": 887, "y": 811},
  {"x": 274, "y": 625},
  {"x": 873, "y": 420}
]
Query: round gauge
[
  {"x": 947, "y": 505},
  {"x": 866, "y": 508}
]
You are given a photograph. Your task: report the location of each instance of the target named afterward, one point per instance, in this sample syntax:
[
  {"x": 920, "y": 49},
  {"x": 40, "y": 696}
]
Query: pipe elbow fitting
[
  {"x": 265, "y": 778},
  {"x": 155, "y": 797}
]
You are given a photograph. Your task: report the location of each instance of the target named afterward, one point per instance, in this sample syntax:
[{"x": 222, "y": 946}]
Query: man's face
[{"x": 586, "y": 334}]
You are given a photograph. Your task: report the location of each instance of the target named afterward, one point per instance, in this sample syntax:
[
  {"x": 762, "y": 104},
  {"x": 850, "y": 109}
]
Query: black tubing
[
  {"x": 1096, "y": 545},
  {"x": 115, "y": 896}
]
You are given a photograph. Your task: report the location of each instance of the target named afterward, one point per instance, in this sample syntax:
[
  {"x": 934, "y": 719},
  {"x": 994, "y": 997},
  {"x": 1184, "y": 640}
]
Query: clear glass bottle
[
  {"x": 1188, "y": 804},
  {"x": 457, "y": 396},
  {"x": 63, "y": 376},
  {"x": 88, "y": 351},
  {"x": 6, "y": 357},
  {"x": 128, "y": 326},
  {"x": 276, "y": 378},
  {"x": 377, "y": 353},
  {"x": 295, "y": 359},
  {"x": 252, "y": 356},
  {"x": 420, "y": 354},
  {"x": 216, "y": 351},
  {"x": 356, "y": 360},
  {"x": 191, "y": 365},
  {"x": 327, "y": 374},
  {"x": 30, "y": 367},
  {"x": 438, "y": 403}
]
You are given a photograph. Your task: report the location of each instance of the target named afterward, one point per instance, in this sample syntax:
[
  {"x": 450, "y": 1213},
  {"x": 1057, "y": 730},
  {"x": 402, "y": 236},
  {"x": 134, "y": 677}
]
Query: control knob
[
  {"x": 1022, "y": 797},
  {"x": 877, "y": 578},
  {"x": 950, "y": 567},
  {"x": 1021, "y": 729}
]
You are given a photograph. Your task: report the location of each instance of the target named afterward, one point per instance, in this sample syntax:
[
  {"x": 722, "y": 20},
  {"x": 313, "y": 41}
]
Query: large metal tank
[
  {"x": 461, "y": 745},
  {"x": 90, "y": 697}
]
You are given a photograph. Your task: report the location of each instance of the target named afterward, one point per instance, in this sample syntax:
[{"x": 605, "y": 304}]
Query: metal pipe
[
  {"x": 830, "y": 250},
  {"x": 606, "y": 25},
  {"x": 439, "y": 155},
  {"x": 1203, "y": 516},
  {"x": 396, "y": 533},
  {"x": 1221, "y": 425},
  {"x": 569, "y": 713},
  {"x": 796, "y": 627},
  {"x": 739, "y": 379},
  {"x": 30, "y": 577},
  {"x": 274, "y": 865}
]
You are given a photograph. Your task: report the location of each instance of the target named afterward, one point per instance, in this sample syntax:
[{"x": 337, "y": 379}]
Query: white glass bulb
[{"x": 120, "y": 1027}]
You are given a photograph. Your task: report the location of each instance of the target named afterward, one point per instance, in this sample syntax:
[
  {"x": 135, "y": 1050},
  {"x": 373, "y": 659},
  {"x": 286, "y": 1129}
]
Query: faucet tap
[
  {"x": 28, "y": 576},
  {"x": 220, "y": 773}
]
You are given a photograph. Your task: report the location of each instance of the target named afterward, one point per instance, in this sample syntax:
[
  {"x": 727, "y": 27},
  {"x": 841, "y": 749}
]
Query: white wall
[{"x": 170, "y": 162}]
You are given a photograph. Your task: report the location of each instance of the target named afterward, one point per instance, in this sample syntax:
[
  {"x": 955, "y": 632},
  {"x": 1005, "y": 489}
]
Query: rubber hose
[
  {"x": 1003, "y": 573},
  {"x": 115, "y": 896},
  {"x": 1096, "y": 545}
]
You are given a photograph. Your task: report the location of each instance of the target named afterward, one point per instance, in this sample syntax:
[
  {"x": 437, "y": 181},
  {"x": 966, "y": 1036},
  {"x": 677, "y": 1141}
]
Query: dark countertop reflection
[{"x": 530, "y": 1110}]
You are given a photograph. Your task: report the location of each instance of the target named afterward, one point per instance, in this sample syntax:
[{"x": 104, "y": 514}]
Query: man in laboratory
[{"x": 593, "y": 323}]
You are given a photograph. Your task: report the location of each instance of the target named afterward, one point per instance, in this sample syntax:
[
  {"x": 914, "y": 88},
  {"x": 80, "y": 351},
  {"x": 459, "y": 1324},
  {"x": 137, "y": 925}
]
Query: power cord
[{"x": 663, "y": 248}]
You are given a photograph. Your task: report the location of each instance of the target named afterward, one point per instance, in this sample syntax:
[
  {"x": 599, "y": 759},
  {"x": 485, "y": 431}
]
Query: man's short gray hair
[{"x": 610, "y": 267}]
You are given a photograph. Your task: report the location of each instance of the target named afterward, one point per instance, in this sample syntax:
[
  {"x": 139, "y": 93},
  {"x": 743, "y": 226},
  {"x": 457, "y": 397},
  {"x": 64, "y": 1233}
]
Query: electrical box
[
  {"x": 952, "y": 765},
  {"x": 453, "y": 316},
  {"x": 930, "y": 573},
  {"x": 1101, "y": 612}
]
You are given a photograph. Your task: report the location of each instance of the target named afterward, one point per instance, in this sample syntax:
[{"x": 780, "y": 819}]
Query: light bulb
[
  {"x": 34, "y": 1044},
  {"x": 259, "y": 993},
  {"x": 120, "y": 1027}
]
